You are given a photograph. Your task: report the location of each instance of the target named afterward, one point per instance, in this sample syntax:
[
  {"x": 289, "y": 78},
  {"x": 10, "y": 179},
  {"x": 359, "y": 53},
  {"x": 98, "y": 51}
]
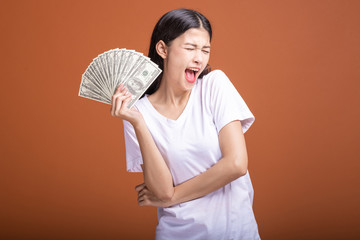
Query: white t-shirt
[{"x": 190, "y": 146}]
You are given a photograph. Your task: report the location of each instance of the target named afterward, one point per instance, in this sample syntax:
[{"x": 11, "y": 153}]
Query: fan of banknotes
[{"x": 109, "y": 69}]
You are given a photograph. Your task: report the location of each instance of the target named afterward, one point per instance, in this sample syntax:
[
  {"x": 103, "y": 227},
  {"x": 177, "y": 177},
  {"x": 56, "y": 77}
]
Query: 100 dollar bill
[{"x": 109, "y": 69}]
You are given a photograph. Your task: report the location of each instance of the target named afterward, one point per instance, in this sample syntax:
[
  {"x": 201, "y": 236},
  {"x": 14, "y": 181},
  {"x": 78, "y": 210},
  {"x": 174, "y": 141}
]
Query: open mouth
[{"x": 190, "y": 74}]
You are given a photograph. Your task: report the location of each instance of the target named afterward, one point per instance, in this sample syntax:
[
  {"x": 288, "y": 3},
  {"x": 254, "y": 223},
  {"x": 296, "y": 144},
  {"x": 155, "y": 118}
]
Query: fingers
[
  {"x": 142, "y": 195},
  {"x": 114, "y": 99},
  {"x": 120, "y": 100},
  {"x": 140, "y": 187},
  {"x": 117, "y": 93},
  {"x": 125, "y": 103},
  {"x": 120, "y": 87},
  {"x": 144, "y": 203},
  {"x": 120, "y": 104},
  {"x": 146, "y": 197}
]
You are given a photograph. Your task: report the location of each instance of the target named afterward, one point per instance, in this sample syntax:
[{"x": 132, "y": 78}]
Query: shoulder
[
  {"x": 215, "y": 81},
  {"x": 215, "y": 74},
  {"x": 214, "y": 78}
]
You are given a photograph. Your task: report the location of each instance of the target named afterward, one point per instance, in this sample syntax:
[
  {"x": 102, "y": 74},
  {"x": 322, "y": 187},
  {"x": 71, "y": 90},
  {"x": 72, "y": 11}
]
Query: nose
[{"x": 198, "y": 56}]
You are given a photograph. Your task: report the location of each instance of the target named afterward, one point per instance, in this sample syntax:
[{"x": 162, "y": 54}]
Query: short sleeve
[
  {"x": 133, "y": 153},
  {"x": 226, "y": 104}
]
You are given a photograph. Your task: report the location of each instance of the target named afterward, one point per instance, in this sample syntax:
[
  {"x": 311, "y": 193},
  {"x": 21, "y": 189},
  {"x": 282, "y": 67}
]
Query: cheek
[
  {"x": 179, "y": 61},
  {"x": 175, "y": 67}
]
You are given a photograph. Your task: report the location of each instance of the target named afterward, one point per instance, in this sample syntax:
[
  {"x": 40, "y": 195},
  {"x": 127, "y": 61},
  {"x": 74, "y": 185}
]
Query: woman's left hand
[{"x": 147, "y": 198}]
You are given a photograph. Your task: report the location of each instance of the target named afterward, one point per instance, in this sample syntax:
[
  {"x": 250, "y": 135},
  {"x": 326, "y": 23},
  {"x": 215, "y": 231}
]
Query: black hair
[{"x": 170, "y": 26}]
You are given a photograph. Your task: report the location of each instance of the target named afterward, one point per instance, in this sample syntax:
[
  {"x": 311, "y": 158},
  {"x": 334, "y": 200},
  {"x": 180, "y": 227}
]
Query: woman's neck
[
  {"x": 169, "y": 101},
  {"x": 170, "y": 95}
]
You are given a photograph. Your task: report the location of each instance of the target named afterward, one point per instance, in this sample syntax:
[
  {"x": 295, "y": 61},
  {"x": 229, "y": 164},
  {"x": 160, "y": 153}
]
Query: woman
[{"x": 186, "y": 135}]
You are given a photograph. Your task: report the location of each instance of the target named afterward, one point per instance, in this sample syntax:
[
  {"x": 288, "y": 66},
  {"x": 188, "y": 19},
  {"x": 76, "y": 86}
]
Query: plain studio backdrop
[{"x": 296, "y": 64}]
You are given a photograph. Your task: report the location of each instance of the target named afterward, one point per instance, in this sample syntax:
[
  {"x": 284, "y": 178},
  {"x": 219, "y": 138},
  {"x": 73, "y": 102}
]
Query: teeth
[{"x": 194, "y": 69}]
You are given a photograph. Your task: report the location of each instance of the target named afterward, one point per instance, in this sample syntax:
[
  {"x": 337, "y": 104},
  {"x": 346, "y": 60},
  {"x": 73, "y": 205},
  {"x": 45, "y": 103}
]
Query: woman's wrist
[{"x": 139, "y": 123}]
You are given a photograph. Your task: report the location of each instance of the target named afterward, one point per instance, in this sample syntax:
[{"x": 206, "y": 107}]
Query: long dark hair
[{"x": 170, "y": 26}]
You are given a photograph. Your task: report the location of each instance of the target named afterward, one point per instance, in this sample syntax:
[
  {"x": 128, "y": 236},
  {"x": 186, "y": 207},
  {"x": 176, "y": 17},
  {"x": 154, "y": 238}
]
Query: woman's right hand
[
  {"x": 119, "y": 106},
  {"x": 147, "y": 198}
]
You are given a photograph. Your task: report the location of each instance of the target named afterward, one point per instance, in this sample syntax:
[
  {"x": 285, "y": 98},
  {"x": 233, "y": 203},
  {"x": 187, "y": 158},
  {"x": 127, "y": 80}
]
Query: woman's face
[{"x": 187, "y": 56}]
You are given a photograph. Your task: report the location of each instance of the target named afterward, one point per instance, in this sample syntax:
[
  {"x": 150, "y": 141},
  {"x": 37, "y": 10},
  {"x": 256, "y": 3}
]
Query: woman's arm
[
  {"x": 231, "y": 166},
  {"x": 157, "y": 176}
]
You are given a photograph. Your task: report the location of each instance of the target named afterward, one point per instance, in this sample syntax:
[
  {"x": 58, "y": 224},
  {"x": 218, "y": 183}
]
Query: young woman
[{"x": 186, "y": 136}]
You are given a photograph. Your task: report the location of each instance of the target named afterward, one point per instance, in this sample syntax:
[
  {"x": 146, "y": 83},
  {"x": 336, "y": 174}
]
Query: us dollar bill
[
  {"x": 111, "y": 68},
  {"x": 141, "y": 79}
]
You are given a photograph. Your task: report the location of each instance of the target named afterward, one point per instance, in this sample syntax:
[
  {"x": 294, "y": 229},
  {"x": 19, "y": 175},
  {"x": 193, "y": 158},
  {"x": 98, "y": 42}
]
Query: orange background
[{"x": 296, "y": 64}]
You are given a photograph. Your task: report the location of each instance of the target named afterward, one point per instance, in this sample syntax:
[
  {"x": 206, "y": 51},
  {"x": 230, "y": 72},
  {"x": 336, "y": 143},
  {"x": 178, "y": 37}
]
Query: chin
[{"x": 189, "y": 85}]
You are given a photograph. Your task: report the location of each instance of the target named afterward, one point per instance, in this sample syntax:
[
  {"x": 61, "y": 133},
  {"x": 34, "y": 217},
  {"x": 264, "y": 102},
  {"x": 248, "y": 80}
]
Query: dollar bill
[
  {"x": 111, "y": 68},
  {"x": 141, "y": 79}
]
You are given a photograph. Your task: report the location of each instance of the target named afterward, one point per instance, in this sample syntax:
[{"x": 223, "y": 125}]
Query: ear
[{"x": 162, "y": 49}]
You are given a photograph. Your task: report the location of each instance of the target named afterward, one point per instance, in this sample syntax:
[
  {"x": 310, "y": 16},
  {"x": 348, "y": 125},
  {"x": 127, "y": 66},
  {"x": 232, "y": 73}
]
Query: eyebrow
[{"x": 194, "y": 45}]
